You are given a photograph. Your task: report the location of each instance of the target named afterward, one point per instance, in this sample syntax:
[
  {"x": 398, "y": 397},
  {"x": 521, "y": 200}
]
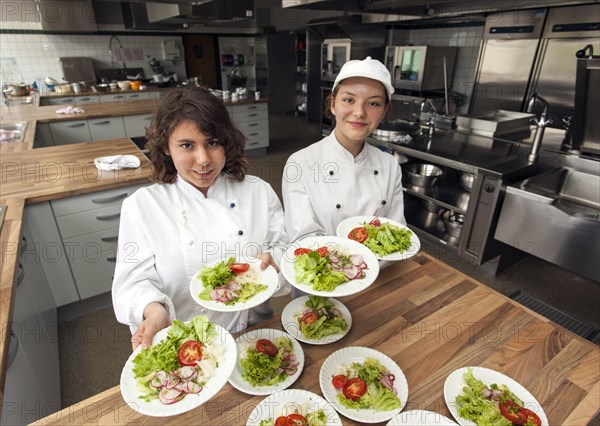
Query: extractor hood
[
  {"x": 196, "y": 12},
  {"x": 423, "y": 9},
  {"x": 350, "y": 26}
]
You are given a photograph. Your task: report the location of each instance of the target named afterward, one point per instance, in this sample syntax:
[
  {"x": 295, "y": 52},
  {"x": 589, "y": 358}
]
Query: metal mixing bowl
[
  {"x": 423, "y": 174},
  {"x": 453, "y": 223},
  {"x": 466, "y": 180}
]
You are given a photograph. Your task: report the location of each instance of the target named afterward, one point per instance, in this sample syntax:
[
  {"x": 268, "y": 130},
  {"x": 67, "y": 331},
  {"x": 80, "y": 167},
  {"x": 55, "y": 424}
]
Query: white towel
[
  {"x": 70, "y": 110},
  {"x": 117, "y": 162}
]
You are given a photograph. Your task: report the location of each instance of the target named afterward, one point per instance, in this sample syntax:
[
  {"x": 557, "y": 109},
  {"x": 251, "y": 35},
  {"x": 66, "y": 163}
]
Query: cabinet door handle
[
  {"x": 253, "y": 125},
  {"x": 101, "y": 123},
  {"x": 109, "y": 239},
  {"x": 253, "y": 134},
  {"x": 252, "y": 107},
  {"x": 21, "y": 275},
  {"x": 75, "y": 125},
  {"x": 253, "y": 143},
  {"x": 109, "y": 199},
  {"x": 111, "y": 259},
  {"x": 108, "y": 216},
  {"x": 252, "y": 115},
  {"x": 14, "y": 348},
  {"x": 147, "y": 118}
]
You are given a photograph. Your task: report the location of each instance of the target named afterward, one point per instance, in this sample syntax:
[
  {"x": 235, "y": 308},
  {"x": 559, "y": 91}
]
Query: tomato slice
[
  {"x": 266, "y": 347},
  {"x": 238, "y": 268},
  {"x": 300, "y": 251},
  {"x": 512, "y": 411},
  {"x": 296, "y": 420},
  {"x": 531, "y": 417},
  {"x": 309, "y": 317},
  {"x": 189, "y": 352},
  {"x": 322, "y": 251},
  {"x": 281, "y": 421},
  {"x": 358, "y": 234},
  {"x": 375, "y": 222},
  {"x": 354, "y": 388},
  {"x": 339, "y": 381}
]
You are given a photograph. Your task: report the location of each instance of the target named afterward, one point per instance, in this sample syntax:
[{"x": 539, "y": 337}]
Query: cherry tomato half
[
  {"x": 189, "y": 352},
  {"x": 238, "y": 268},
  {"x": 296, "y": 420},
  {"x": 266, "y": 347},
  {"x": 339, "y": 381},
  {"x": 300, "y": 251},
  {"x": 531, "y": 417},
  {"x": 322, "y": 251},
  {"x": 354, "y": 388},
  {"x": 512, "y": 411},
  {"x": 281, "y": 420},
  {"x": 375, "y": 222},
  {"x": 358, "y": 234},
  {"x": 308, "y": 318}
]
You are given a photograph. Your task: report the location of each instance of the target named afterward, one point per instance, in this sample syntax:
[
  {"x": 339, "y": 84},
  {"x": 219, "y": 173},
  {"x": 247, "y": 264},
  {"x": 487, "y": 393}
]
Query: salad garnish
[
  {"x": 321, "y": 318},
  {"x": 326, "y": 269},
  {"x": 268, "y": 363},
  {"x": 179, "y": 365},
  {"x": 313, "y": 418},
  {"x": 367, "y": 385},
  {"x": 230, "y": 282},
  {"x": 495, "y": 404},
  {"x": 382, "y": 238}
]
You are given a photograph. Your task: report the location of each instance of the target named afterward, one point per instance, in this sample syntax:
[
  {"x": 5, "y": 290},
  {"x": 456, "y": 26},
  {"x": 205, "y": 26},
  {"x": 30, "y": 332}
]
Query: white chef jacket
[
  {"x": 168, "y": 231},
  {"x": 324, "y": 184}
]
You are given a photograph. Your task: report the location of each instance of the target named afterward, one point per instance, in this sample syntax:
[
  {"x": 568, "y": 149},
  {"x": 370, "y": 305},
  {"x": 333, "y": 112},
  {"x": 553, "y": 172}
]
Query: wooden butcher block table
[{"x": 432, "y": 320}]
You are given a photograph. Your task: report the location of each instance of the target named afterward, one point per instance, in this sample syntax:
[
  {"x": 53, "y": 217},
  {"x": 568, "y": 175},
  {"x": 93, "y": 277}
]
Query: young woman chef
[
  {"x": 202, "y": 207},
  {"x": 341, "y": 175}
]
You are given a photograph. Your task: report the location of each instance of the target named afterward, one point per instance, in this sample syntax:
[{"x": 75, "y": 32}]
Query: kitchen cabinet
[
  {"x": 32, "y": 387},
  {"x": 106, "y": 128},
  {"x": 253, "y": 121},
  {"x": 78, "y": 245},
  {"x": 136, "y": 125},
  {"x": 67, "y": 132}
]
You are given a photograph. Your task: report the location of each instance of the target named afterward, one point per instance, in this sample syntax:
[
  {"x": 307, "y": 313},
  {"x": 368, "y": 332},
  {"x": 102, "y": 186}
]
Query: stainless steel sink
[
  {"x": 13, "y": 132},
  {"x": 556, "y": 216}
]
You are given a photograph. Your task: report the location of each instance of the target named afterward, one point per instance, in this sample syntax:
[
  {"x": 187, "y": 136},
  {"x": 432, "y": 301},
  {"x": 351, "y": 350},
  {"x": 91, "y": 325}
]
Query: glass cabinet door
[{"x": 411, "y": 64}]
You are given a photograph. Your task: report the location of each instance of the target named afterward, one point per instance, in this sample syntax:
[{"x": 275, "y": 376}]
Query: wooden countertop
[
  {"x": 47, "y": 174},
  {"x": 431, "y": 319}
]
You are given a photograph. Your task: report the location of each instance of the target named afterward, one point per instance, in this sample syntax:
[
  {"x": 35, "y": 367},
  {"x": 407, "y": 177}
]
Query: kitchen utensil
[
  {"x": 76, "y": 87},
  {"x": 124, "y": 85},
  {"x": 63, "y": 89},
  {"x": 100, "y": 88},
  {"x": 423, "y": 174},
  {"x": 430, "y": 206},
  {"x": 453, "y": 223}
]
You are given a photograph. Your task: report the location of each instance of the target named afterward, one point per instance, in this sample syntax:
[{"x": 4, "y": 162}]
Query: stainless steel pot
[
  {"x": 453, "y": 223},
  {"x": 423, "y": 174},
  {"x": 466, "y": 180}
]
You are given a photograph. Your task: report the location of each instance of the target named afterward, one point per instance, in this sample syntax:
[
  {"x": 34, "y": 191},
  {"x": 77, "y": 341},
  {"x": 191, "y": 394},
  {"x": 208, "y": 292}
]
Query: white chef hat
[{"x": 369, "y": 68}]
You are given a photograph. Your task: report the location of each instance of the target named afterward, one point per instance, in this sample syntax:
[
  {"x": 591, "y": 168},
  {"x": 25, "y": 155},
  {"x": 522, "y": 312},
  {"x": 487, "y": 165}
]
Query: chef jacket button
[
  {"x": 240, "y": 232},
  {"x": 338, "y": 206},
  {"x": 383, "y": 202},
  {"x": 376, "y": 172},
  {"x": 331, "y": 172},
  {"x": 232, "y": 205}
]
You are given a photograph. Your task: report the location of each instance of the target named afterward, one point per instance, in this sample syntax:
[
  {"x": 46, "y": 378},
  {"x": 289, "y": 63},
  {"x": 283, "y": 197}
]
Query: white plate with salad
[
  {"x": 363, "y": 384},
  {"x": 175, "y": 375},
  {"x": 420, "y": 417},
  {"x": 291, "y": 404},
  {"x": 316, "y": 320},
  {"x": 472, "y": 393},
  {"x": 386, "y": 238},
  {"x": 228, "y": 285},
  {"x": 268, "y": 361},
  {"x": 329, "y": 266}
]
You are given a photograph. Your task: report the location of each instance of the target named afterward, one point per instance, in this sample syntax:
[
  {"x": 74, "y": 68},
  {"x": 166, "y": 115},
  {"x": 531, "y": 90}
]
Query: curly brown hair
[{"x": 198, "y": 105}]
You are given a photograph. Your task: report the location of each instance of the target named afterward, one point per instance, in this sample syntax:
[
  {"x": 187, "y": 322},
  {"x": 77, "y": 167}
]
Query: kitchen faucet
[
  {"x": 541, "y": 123},
  {"x": 430, "y": 116},
  {"x": 112, "y": 58}
]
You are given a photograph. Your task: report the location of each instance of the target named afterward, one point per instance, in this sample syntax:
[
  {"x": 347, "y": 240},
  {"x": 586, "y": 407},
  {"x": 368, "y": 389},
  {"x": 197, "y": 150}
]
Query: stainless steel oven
[
  {"x": 418, "y": 68},
  {"x": 335, "y": 53}
]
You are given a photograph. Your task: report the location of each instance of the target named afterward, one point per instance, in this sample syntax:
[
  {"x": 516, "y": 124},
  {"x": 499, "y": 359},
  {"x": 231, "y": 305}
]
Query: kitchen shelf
[{"x": 429, "y": 224}]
